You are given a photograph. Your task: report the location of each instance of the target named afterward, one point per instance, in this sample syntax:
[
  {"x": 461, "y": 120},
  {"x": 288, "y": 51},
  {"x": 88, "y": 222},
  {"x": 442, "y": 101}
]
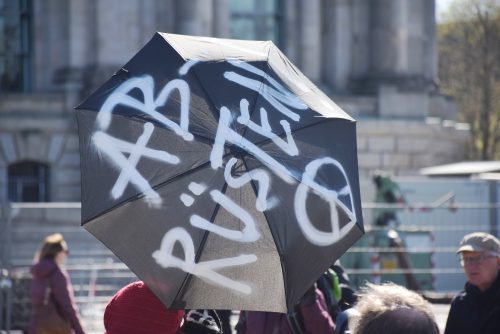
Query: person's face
[
  {"x": 61, "y": 257},
  {"x": 481, "y": 268}
]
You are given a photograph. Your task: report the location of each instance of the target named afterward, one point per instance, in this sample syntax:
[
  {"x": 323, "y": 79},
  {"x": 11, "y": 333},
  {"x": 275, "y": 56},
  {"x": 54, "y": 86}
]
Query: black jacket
[{"x": 473, "y": 311}]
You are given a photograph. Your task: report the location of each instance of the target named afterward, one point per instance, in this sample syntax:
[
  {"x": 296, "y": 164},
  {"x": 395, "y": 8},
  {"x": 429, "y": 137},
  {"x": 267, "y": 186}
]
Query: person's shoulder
[
  {"x": 459, "y": 297},
  {"x": 59, "y": 274},
  {"x": 463, "y": 302},
  {"x": 461, "y": 294}
]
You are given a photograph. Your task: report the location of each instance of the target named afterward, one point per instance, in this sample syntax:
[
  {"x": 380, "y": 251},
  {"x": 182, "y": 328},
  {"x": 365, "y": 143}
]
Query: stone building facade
[{"x": 375, "y": 58}]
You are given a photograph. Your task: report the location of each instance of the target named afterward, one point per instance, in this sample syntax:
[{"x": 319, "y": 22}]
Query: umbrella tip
[{"x": 122, "y": 71}]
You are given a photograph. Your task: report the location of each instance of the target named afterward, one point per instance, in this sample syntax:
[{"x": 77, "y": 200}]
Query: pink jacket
[
  {"x": 47, "y": 273},
  {"x": 315, "y": 319}
]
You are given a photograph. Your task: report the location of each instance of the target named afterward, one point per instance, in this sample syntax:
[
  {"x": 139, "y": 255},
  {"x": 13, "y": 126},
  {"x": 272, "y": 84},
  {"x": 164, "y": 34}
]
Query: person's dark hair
[
  {"x": 51, "y": 246},
  {"x": 393, "y": 309}
]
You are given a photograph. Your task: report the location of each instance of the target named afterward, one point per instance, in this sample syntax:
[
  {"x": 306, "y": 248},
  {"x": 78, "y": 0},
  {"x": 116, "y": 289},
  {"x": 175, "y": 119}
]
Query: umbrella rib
[
  {"x": 262, "y": 142},
  {"x": 187, "y": 279},
  {"x": 257, "y": 96},
  {"x": 254, "y": 187},
  {"x": 188, "y": 172},
  {"x": 155, "y": 187},
  {"x": 283, "y": 134},
  {"x": 208, "y": 97},
  {"x": 267, "y": 140}
]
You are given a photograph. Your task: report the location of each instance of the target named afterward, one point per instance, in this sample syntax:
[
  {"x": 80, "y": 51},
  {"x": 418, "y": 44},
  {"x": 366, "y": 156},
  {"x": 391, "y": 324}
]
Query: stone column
[
  {"x": 118, "y": 31},
  {"x": 81, "y": 41},
  {"x": 336, "y": 49},
  {"x": 310, "y": 39},
  {"x": 389, "y": 37},
  {"x": 165, "y": 15},
  {"x": 360, "y": 39},
  {"x": 194, "y": 17},
  {"x": 403, "y": 43},
  {"x": 291, "y": 31},
  {"x": 4, "y": 182},
  {"x": 402, "y": 63},
  {"x": 430, "y": 41},
  {"x": 50, "y": 39},
  {"x": 147, "y": 22},
  {"x": 81, "y": 26},
  {"x": 221, "y": 18}
]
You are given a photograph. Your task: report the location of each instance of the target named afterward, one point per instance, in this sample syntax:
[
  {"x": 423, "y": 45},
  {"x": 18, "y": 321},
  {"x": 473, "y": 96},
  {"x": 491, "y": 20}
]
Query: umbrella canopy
[{"x": 218, "y": 173}]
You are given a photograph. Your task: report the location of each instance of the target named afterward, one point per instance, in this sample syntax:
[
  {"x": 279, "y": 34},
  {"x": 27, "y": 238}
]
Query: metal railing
[
  {"x": 416, "y": 250},
  {"x": 426, "y": 251}
]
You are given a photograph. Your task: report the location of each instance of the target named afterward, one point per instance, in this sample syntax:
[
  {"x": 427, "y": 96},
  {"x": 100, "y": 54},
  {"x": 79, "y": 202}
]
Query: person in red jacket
[{"x": 51, "y": 292}]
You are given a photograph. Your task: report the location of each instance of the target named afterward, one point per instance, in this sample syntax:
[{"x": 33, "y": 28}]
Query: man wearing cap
[{"x": 477, "y": 308}]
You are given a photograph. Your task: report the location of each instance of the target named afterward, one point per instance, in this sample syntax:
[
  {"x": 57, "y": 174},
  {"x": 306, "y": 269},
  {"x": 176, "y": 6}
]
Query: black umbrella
[{"x": 219, "y": 173}]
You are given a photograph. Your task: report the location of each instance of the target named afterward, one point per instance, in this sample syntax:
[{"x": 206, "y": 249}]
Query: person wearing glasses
[{"x": 477, "y": 308}]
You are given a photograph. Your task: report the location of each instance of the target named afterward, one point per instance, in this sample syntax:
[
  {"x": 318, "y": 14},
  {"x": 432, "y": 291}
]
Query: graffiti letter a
[{"x": 113, "y": 148}]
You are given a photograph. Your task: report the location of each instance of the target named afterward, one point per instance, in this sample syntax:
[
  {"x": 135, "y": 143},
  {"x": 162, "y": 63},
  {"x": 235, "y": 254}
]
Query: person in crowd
[
  {"x": 335, "y": 286},
  {"x": 477, "y": 308},
  {"x": 392, "y": 309},
  {"x": 347, "y": 293},
  {"x": 202, "y": 322},
  {"x": 387, "y": 192},
  {"x": 310, "y": 316},
  {"x": 225, "y": 317},
  {"x": 134, "y": 309},
  {"x": 53, "y": 309}
]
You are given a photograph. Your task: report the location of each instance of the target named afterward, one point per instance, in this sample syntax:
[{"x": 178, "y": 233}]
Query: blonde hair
[
  {"x": 51, "y": 246},
  {"x": 381, "y": 306}
]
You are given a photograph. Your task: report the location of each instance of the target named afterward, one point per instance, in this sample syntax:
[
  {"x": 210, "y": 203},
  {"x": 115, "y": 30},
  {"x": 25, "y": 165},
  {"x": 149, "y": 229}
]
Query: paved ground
[
  {"x": 93, "y": 318},
  {"x": 441, "y": 313}
]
